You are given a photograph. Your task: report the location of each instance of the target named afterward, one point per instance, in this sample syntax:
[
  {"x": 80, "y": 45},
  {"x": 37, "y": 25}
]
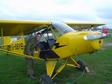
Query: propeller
[{"x": 95, "y": 36}]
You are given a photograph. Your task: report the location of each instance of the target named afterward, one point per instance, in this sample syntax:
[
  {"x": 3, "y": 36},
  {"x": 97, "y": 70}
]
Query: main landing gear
[{"x": 83, "y": 66}]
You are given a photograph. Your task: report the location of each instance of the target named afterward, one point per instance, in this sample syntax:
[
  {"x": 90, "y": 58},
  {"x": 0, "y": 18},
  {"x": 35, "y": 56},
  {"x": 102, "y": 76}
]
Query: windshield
[{"x": 62, "y": 27}]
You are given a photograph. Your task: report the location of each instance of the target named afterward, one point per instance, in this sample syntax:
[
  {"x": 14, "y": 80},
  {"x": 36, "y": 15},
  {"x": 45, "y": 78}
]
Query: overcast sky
[{"x": 64, "y": 10}]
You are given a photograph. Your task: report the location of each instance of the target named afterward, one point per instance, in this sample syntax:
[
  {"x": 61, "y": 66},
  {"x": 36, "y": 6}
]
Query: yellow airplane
[{"x": 59, "y": 41}]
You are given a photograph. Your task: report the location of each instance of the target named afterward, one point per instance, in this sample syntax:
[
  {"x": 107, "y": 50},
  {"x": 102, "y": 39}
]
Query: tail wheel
[
  {"x": 82, "y": 66},
  {"x": 45, "y": 79}
]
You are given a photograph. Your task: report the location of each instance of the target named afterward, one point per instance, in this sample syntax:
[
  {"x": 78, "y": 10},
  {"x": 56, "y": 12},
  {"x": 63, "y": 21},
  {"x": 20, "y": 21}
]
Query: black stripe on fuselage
[{"x": 57, "y": 45}]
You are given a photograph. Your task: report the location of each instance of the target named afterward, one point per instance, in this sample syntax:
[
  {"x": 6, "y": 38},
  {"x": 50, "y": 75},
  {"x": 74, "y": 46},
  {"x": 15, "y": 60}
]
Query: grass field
[{"x": 13, "y": 69}]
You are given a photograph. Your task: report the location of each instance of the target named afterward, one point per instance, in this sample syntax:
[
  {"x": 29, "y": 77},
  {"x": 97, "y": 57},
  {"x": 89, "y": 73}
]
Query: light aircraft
[{"x": 59, "y": 41}]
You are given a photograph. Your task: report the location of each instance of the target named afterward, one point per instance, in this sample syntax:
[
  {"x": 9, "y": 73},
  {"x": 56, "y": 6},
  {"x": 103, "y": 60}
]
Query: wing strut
[{"x": 2, "y": 40}]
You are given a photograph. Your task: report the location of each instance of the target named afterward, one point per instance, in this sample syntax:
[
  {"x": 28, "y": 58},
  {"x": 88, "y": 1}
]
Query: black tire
[
  {"x": 82, "y": 65},
  {"x": 45, "y": 79}
]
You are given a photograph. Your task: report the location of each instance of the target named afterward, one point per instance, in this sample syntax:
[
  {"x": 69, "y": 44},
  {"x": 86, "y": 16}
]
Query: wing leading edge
[{"x": 17, "y": 27}]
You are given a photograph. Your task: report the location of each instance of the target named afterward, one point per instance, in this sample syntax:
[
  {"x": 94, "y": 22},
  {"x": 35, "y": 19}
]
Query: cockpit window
[
  {"x": 62, "y": 28},
  {"x": 56, "y": 30},
  {"x": 46, "y": 34}
]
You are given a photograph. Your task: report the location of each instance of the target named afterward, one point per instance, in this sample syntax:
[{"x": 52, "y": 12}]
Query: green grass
[{"x": 13, "y": 70}]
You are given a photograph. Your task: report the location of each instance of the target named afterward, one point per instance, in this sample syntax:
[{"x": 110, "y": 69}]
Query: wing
[
  {"x": 16, "y": 28},
  {"x": 84, "y": 25}
]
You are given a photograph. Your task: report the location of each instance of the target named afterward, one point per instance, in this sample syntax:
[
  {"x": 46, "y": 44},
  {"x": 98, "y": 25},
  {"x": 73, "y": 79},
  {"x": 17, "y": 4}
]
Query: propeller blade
[{"x": 95, "y": 36}]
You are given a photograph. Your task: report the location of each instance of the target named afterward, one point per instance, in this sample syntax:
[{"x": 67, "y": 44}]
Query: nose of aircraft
[
  {"x": 75, "y": 43},
  {"x": 97, "y": 44}
]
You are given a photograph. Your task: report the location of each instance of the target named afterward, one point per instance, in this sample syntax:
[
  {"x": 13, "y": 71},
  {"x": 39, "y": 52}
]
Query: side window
[
  {"x": 57, "y": 33},
  {"x": 48, "y": 37},
  {"x": 51, "y": 38}
]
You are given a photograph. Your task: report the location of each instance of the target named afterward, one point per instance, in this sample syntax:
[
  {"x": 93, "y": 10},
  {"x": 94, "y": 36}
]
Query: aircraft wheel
[
  {"x": 82, "y": 65},
  {"x": 45, "y": 79}
]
